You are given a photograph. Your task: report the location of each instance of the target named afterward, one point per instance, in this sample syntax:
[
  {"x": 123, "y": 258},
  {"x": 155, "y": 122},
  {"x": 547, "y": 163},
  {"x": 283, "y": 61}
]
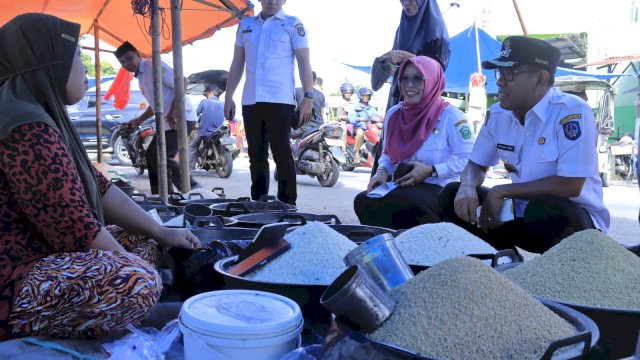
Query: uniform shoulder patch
[
  {"x": 300, "y": 28},
  {"x": 463, "y": 121},
  {"x": 465, "y": 132},
  {"x": 568, "y": 118},
  {"x": 572, "y": 130}
]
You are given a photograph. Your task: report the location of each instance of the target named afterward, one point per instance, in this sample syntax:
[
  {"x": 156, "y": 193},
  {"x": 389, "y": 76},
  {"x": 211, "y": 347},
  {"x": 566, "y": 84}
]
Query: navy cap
[{"x": 521, "y": 50}]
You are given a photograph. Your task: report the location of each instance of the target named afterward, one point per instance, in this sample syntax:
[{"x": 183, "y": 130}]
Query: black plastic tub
[
  {"x": 356, "y": 233},
  {"x": 574, "y": 347},
  {"x": 619, "y": 331},
  {"x": 306, "y": 296},
  {"x": 259, "y": 219},
  {"x": 492, "y": 260},
  {"x": 249, "y": 207}
]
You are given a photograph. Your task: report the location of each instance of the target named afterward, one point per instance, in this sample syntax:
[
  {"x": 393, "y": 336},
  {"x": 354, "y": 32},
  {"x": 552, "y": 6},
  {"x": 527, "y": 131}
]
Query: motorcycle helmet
[
  {"x": 346, "y": 87},
  {"x": 365, "y": 91}
]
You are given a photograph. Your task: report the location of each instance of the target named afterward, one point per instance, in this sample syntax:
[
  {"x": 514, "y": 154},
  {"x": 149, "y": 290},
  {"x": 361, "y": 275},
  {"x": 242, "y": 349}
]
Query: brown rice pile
[
  {"x": 587, "y": 268},
  {"x": 463, "y": 309}
]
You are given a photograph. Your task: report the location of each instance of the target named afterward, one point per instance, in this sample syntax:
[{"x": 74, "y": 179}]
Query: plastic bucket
[{"x": 240, "y": 324}]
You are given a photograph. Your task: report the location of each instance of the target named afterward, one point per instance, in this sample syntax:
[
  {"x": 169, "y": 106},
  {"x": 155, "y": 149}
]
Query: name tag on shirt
[
  {"x": 246, "y": 31},
  {"x": 506, "y": 147}
]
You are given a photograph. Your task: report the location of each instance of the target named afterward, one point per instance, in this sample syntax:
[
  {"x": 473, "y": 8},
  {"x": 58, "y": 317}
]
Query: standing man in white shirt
[
  {"x": 547, "y": 141},
  {"x": 265, "y": 48},
  {"x": 132, "y": 61}
]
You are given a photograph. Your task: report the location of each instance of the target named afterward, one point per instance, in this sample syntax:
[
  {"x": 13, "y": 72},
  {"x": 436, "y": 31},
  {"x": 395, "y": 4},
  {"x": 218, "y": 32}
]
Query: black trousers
[
  {"x": 173, "y": 168},
  {"x": 269, "y": 125},
  {"x": 547, "y": 220},
  {"x": 402, "y": 208}
]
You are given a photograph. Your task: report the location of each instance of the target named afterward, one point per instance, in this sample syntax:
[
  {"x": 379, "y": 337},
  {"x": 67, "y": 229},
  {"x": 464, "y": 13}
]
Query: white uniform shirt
[
  {"x": 447, "y": 148},
  {"x": 269, "y": 47},
  {"x": 558, "y": 138},
  {"x": 145, "y": 82}
]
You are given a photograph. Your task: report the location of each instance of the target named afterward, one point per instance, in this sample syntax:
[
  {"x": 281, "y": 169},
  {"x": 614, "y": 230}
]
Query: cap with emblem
[{"x": 521, "y": 50}]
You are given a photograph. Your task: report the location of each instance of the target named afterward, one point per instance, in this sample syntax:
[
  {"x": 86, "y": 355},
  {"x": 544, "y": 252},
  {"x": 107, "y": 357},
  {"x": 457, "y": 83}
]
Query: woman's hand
[
  {"x": 418, "y": 173},
  {"x": 397, "y": 56},
  {"x": 379, "y": 178},
  {"x": 170, "y": 237}
]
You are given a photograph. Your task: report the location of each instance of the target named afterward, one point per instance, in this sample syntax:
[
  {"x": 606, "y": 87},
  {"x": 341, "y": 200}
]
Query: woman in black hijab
[
  {"x": 422, "y": 31},
  {"x": 63, "y": 273}
]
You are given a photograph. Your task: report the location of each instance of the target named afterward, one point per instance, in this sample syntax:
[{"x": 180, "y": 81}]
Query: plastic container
[
  {"x": 240, "y": 324},
  {"x": 380, "y": 258},
  {"x": 354, "y": 296}
]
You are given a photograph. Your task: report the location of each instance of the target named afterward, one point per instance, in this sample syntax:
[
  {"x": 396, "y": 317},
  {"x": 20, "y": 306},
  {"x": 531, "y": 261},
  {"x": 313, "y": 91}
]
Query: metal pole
[
  {"x": 179, "y": 99},
  {"x": 96, "y": 36},
  {"x": 524, "y": 29},
  {"x": 157, "y": 94}
]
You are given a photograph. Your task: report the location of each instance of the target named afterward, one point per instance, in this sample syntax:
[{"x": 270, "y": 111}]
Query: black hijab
[
  {"x": 424, "y": 33},
  {"x": 33, "y": 79}
]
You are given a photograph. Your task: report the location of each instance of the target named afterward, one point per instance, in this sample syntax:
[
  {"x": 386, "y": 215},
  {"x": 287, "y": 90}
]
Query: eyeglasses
[
  {"x": 508, "y": 74},
  {"x": 417, "y": 80}
]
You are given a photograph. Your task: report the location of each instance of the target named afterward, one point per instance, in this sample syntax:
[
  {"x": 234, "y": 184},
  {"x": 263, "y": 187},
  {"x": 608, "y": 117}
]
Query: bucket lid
[{"x": 240, "y": 313}]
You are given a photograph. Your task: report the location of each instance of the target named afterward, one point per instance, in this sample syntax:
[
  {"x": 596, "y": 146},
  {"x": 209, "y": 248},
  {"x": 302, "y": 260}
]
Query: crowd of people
[{"x": 55, "y": 206}]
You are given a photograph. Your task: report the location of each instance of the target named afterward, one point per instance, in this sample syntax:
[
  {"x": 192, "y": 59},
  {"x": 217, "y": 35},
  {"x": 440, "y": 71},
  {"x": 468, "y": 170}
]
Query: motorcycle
[
  {"x": 136, "y": 142},
  {"x": 218, "y": 151},
  {"x": 318, "y": 153},
  {"x": 367, "y": 153},
  {"x": 623, "y": 153}
]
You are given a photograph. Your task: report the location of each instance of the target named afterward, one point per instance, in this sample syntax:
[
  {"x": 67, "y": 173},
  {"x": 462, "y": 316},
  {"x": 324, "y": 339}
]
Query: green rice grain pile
[
  {"x": 587, "y": 268},
  {"x": 463, "y": 309}
]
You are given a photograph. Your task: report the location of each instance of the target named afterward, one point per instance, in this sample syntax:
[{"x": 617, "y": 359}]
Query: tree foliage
[{"x": 105, "y": 67}]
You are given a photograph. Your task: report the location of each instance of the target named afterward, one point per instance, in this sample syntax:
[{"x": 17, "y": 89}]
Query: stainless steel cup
[
  {"x": 381, "y": 259},
  {"x": 354, "y": 296}
]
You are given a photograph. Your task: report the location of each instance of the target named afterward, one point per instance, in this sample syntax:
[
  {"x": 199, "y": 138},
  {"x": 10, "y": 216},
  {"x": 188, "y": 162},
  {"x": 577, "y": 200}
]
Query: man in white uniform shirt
[
  {"x": 265, "y": 48},
  {"x": 547, "y": 141},
  {"x": 132, "y": 61}
]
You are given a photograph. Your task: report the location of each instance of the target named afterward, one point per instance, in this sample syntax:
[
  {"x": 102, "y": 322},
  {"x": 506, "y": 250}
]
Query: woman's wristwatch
[{"x": 434, "y": 172}]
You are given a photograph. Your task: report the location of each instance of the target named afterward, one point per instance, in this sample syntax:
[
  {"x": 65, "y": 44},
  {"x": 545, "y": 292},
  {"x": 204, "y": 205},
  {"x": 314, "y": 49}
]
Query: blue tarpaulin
[{"x": 463, "y": 62}]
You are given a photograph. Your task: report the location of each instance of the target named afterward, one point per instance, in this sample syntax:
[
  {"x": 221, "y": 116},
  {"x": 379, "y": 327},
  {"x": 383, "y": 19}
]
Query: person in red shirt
[{"x": 63, "y": 273}]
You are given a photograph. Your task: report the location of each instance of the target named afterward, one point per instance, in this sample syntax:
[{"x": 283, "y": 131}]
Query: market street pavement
[{"x": 622, "y": 199}]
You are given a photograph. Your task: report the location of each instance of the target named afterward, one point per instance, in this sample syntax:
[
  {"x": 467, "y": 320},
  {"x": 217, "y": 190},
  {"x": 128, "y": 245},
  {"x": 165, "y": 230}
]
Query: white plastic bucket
[{"x": 239, "y": 324}]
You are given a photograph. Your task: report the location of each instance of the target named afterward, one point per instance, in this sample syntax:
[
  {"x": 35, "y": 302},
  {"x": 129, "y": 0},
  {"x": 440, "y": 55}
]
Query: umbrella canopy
[
  {"x": 198, "y": 82},
  {"x": 117, "y": 22}
]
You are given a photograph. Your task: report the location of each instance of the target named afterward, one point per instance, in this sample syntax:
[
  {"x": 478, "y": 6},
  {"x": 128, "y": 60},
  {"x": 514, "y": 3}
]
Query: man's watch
[
  {"x": 434, "y": 173},
  {"x": 309, "y": 94}
]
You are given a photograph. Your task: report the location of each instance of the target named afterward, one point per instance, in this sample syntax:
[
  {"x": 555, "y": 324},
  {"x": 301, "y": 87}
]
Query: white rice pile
[
  {"x": 463, "y": 309},
  {"x": 315, "y": 257},
  {"x": 430, "y": 244},
  {"x": 587, "y": 268}
]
